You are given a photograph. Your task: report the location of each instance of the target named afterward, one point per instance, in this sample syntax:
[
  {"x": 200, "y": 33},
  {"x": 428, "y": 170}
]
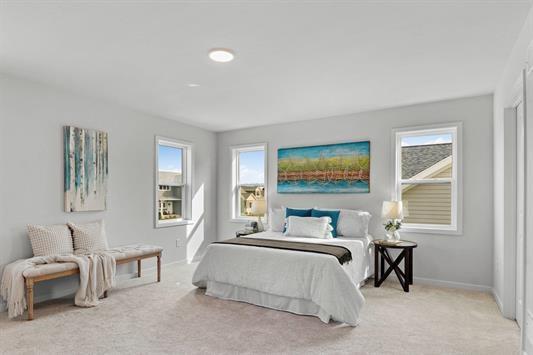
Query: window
[
  {"x": 427, "y": 178},
  {"x": 172, "y": 182},
  {"x": 249, "y": 171}
]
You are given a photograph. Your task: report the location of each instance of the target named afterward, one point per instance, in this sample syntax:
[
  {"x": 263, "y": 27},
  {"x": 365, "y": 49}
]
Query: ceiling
[{"x": 295, "y": 60}]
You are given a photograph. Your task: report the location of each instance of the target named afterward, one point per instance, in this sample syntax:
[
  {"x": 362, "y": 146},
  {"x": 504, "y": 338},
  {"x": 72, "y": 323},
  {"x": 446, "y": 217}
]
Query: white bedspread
[
  {"x": 359, "y": 269},
  {"x": 319, "y": 282}
]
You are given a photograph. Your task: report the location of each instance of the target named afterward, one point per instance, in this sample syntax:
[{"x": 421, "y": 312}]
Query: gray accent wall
[
  {"x": 31, "y": 174},
  {"x": 464, "y": 260}
]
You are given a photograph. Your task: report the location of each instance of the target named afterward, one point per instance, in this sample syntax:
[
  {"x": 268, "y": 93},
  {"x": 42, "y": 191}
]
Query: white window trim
[
  {"x": 187, "y": 169},
  {"x": 456, "y": 129},
  {"x": 235, "y": 208}
]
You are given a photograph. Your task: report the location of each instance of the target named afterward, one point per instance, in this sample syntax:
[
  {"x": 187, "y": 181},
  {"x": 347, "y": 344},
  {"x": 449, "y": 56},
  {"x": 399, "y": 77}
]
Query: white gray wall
[
  {"x": 31, "y": 166},
  {"x": 457, "y": 259},
  {"x": 31, "y": 187},
  {"x": 505, "y": 96}
]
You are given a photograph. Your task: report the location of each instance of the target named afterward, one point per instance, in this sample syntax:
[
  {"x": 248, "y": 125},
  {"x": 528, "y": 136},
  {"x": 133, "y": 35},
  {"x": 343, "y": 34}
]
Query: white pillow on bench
[
  {"x": 89, "y": 237},
  {"x": 50, "y": 240}
]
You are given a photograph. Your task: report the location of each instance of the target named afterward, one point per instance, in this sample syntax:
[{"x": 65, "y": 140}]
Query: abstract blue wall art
[
  {"x": 85, "y": 169},
  {"x": 331, "y": 168}
]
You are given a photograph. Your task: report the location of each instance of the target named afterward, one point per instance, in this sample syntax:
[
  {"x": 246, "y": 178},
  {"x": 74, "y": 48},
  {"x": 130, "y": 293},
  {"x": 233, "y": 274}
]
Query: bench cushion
[
  {"x": 129, "y": 251},
  {"x": 119, "y": 253},
  {"x": 47, "y": 269}
]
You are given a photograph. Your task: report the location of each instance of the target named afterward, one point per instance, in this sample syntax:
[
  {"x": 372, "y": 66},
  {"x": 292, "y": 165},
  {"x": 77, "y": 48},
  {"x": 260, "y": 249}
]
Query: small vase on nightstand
[
  {"x": 396, "y": 236},
  {"x": 393, "y": 235}
]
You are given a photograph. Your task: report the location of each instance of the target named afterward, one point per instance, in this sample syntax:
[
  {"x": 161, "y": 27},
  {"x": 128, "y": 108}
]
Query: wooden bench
[{"x": 46, "y": 271}]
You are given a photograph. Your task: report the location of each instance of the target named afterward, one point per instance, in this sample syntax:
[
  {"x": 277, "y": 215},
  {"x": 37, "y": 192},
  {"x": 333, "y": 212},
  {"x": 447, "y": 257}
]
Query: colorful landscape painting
[
  {"x": 86, "y": 169},
  {"x": 332, "y": 168}
]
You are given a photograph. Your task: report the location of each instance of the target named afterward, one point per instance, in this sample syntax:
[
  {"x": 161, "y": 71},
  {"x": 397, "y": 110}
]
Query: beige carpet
[{"x": 143, "y": 317}]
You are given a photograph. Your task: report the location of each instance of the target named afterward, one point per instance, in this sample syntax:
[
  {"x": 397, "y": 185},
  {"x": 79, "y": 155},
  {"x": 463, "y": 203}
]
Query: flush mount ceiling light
[
  {"x": 193, "y": 85},
  {"x": 221, "y": 55}
]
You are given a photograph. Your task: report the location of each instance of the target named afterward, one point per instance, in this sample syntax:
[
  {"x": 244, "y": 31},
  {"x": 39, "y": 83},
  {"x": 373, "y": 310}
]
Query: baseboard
[
  {"x": 41, "y": 297},
  {"x": 452, "y": 284},
  {"x": 497, "y": 299},
  {"x": 133, "y": 275}
]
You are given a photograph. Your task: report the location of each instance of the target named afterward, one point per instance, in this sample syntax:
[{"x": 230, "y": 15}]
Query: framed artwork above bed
[{"x": 331, "y": 168}]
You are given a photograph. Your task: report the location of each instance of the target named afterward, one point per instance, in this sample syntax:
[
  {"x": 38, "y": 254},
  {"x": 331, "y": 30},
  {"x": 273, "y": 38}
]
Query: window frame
[
  {"x": 235, "y": 200},
  {"x": 186, "y": 171},
  {"x": 456, "y": 180}
]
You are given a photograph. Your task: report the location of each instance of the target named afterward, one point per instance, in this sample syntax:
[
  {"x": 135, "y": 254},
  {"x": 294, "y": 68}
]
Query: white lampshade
[
  {"x": 392, "y": 210},
  {"x": 259, "y": 207}
]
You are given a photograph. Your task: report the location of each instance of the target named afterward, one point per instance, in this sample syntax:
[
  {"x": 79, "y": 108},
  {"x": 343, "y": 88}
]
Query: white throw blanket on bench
[{"x": 97, "y": 274}]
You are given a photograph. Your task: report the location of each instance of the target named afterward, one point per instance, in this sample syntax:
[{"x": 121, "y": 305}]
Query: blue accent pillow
[
  {"x": 334, "y": 215},
  {"x": 296, "y": 212}
]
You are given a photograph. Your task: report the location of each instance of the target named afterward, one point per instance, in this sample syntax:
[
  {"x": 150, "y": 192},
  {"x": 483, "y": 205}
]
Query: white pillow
[
  {"x": 351, "y": 223},
  {"x": 89, "y": 237},
  {"x": 311, "y": 227},
  {"x": 276, "y": 220},
  {"x": 50, "y": 240}
]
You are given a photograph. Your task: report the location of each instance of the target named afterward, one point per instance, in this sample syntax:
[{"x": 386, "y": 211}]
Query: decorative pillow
[
  {"x": 50, "y": 240},
  {"x": 89, "y": 237},
  {"x": 334, "y": 215},
  {"x": 276, "y": 221},
  {"x": 299, "y": 212},
  {"x": 311, "y": 227},
  {"x": 353, "y": 223}
]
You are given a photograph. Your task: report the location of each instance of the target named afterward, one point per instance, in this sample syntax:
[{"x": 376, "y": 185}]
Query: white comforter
[
  {"x": 295, "y": 276},
  {"x": 361, "y": 266}
]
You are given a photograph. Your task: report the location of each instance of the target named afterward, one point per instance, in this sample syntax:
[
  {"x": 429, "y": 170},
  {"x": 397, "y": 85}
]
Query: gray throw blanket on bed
[{"x": 341, "y": 253}]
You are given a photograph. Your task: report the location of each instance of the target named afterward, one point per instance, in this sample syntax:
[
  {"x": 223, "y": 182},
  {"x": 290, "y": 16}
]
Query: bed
[{"x": 294, "y": 281}]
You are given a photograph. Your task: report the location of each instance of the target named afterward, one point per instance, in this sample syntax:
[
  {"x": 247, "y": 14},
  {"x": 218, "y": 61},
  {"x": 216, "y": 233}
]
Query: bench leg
[
  {"x": 139, "y": 268},
  {"x": 29, "y": 297},
  {"x": 159, "y": 268}
]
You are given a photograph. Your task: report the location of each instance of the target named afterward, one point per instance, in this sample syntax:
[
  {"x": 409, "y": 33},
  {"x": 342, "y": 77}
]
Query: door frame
[{"x": 519, "y": 104}]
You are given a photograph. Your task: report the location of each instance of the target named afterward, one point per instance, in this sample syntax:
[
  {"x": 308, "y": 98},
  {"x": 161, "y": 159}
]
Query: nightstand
[
  {"x": 405, "y": 276},
  {"x": 243, "y": 232}
]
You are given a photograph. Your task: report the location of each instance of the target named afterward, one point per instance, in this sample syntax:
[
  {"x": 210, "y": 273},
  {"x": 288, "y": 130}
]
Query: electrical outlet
[{"x": 178, "y": 243}]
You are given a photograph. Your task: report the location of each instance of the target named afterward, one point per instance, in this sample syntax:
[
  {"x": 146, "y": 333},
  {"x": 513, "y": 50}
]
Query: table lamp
[
  {"x": 259, "y": 208},
  {"x": 392, "y": 214}
]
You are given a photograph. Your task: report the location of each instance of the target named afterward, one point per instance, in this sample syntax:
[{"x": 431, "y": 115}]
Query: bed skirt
[{"x": 267, "y": 300}]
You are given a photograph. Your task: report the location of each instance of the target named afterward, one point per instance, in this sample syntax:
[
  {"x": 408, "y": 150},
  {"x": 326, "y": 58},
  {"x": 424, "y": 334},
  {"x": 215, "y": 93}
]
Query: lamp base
[
  {"x": 393, "y": 236},
  {"x": 260, "y": 227}
]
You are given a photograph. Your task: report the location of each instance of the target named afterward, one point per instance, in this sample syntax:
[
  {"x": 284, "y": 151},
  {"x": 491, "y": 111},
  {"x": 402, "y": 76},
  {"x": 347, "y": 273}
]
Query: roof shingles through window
[{"x": 417, "y": 158}]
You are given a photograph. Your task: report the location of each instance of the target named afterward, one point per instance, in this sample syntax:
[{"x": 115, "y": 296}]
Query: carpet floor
[{"x": 142, "y": 317}]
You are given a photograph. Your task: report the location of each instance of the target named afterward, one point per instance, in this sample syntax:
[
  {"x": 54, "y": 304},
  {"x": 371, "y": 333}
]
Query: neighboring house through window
[
  {"x": 249, "y": 176},
  {"x": 428, "y": 177},
  {"x": 173, "y": 182}
]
